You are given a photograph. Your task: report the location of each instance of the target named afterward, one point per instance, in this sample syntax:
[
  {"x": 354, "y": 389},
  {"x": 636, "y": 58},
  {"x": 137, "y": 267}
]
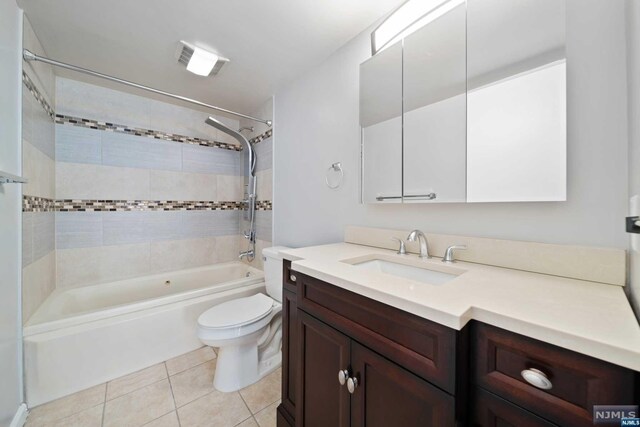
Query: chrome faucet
[
  {"x": 249, "y": 254},
  {"x": 424, "y": 247}
]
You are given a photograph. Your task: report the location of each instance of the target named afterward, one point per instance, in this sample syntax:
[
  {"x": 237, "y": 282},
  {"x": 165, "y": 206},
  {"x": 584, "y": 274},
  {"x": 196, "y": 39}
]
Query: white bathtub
[{"x": 81, "y": 337}]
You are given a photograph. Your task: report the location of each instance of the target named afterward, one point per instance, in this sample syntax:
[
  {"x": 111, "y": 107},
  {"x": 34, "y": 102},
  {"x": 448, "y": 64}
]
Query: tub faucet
[
  {"x": 248, "y": 254},
  {"x": 424, "y": 247}
]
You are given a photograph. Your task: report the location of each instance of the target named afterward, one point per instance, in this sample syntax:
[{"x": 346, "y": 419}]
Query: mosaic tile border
[
  {"x": 130, "y": 130},
  {"x": 262, "y": 136},
  {"x": 150, "y": 133},
  {"x": 30, "y": 85},
  {"x": 39, "y": 204}
]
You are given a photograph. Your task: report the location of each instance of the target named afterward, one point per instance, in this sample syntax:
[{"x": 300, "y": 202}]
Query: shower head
[{"x": 250, "y": 154}]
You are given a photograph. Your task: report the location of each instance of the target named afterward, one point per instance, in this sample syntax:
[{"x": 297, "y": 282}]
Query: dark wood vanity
[{"x": 352, "y": 361}]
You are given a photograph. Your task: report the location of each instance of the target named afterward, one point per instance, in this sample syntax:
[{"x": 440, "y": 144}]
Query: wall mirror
[{"x": 478, "y": 113}]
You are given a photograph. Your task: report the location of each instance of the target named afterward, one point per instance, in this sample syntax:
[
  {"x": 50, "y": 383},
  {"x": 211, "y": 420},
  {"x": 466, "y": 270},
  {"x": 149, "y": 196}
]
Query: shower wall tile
[
  {"x": 43, "y": 234},
  {"x": 180, "y": 254},
  {"x": 167, "y": 185},
  {"x": 230, "y": 187},
  {"x": 78, "y": 145},
  {"x": 88, "y": 266},
  {"x": 78, "y": 230},
  {"x": 37, "y": 125},
  {"x": 27, "y": 238},
  {"x": 264, "y": 188},
  {"x": 263, "y": 225},
  {"x": 79, "y": 181},
  {"x": 264, "y": 153},
  {"x": 38, "y": 281},
  {"x": 207, "y": 160},
  {"x": 93, "y": 229},
  {"x": 40, "y": 170},
  {"x": 140, "y": 152}
]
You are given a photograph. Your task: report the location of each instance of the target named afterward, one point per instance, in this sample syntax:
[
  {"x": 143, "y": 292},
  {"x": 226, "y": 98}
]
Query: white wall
[
  {"x": 318, "y": 124},
  {"x": 633, "y": 73},
  {"x": 10, "y": 212}
]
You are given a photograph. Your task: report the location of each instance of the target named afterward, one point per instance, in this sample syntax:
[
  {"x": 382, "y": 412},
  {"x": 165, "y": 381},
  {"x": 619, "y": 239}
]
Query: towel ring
[{"x": 335, "y": 167}]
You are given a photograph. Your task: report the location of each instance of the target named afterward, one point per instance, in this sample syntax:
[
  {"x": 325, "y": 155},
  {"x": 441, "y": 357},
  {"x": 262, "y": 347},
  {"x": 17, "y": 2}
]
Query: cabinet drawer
[
  {"x": 491, "y": 411},
  {"x": 288, "y": 277},
  {"x": 423, "y": 347},
  {"x": 577, "y": 381}
]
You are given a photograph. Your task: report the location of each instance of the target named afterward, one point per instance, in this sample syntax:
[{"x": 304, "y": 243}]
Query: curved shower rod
[{"x": 30, "y": 56}]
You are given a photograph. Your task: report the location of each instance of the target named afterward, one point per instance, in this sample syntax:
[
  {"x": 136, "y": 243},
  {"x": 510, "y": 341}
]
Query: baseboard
[{"x": 20, "y": 417}]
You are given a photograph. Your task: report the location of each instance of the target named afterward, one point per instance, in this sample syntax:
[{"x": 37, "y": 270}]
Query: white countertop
[{"x": 587, "y": 317}]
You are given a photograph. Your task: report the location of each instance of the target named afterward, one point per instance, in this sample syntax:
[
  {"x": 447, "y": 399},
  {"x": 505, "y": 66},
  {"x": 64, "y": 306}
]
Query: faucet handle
[
  {"x": 448, "y": 255},
  {"x": 402, "y": 250}
]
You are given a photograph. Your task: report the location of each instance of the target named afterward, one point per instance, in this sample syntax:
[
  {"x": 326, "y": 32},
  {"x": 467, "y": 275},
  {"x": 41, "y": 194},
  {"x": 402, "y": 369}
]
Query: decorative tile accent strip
[
  {"x": 261, "y": 137},
  {"x": 264, "y": 205},
  {"x": 37, "y": 95},
  {"x": 155, "y": 134},
  {"x": 37, "y": 204}
]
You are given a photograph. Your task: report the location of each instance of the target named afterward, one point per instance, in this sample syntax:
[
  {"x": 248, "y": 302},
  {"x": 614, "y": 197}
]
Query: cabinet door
[
  {"x": 491, "y": 411},
  {"x": 289, "y": 350},
  {"x": 387, "y": 395},
  {"x": 322, "y": 352}
]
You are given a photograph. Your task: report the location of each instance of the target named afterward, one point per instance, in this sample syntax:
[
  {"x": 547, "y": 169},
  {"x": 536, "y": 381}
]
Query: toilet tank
[{"x": 273, "y": 271}]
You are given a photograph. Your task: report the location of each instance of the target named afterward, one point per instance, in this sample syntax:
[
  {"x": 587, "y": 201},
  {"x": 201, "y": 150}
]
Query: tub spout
[{"x": 248, "y": 254}]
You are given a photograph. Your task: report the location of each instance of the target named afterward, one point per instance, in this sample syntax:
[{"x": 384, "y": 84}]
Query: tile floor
[{"x": 175, "y": 393}]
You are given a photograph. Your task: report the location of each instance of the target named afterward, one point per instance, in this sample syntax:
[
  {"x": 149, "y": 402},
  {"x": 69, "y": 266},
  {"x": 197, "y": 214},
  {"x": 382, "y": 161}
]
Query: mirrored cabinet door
[
  {"x": 381, "y": 126},
  {"x": 434, "y": 110},
  {"x": 516, "y": 103}
]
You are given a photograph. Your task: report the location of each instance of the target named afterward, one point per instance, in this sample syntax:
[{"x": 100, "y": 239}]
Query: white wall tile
[
  {"x": 230, "y": 187},
  {"x": 119, "y": 149},
  {"x": 78, "y": 145},
  {"x": 169, "y": 185},
  {"x": 179, "y": 254},
  {"x": 38, "y": 281},
  {"x": 40, "y": 170},
  {"x": 87, "y": 266},
  {"x": 86, "y": 181},
  {"x": 265, "y": 184},
  {"x": 78, "y": 230}
]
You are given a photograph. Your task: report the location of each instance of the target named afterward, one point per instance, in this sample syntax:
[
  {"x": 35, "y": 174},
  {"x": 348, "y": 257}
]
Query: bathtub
[{"x": 81, "y": 337}]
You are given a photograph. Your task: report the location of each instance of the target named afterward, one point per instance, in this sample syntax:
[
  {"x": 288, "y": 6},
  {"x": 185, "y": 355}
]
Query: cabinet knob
[
  {"x": 352, "y": 384},
  {"x": 536, "y": 378},
  {"x": 343, "y": 374},
  {"x": 292, "y": 277}
]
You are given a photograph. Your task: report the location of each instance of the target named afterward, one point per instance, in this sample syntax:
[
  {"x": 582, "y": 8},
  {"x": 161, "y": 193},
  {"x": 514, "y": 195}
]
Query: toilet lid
[{"x": 236, "y": 312}]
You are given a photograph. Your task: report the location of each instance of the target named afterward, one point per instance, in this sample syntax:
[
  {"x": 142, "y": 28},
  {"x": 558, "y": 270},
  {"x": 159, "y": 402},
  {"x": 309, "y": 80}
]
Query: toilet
[{"x": 247, "y": 331}]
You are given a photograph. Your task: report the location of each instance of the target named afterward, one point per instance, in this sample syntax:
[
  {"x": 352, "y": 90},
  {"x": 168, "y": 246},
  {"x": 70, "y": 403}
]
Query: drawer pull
[
  {"x": 343, "y": 374},
  {"x": 352, "y": 384},
  {"x": 292, "y": 277},
  {"x": 536, "y": 378}
]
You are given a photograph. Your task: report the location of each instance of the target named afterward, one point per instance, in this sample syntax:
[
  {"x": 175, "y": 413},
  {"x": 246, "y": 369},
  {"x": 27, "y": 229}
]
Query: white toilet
[{"x": 247, "y": 331}]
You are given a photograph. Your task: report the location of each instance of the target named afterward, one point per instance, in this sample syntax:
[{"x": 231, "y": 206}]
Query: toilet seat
[{"x": 236, "y": 313}]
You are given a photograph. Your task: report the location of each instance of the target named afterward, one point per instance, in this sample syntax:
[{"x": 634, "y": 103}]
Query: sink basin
[{"x": 425, "y": 273}]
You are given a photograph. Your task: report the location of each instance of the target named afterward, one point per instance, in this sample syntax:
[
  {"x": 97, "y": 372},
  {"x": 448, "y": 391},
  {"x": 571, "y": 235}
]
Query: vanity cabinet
[{"x": 401, "y": 369}]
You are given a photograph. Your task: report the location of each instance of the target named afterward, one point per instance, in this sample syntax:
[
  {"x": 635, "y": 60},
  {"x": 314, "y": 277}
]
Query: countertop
[{"x": 590, "y": 318}]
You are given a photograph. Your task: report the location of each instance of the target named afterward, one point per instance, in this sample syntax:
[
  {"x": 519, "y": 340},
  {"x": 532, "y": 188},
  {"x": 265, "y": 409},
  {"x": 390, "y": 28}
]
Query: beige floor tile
[
  {"x": 263, "y": 393},
  {"x": 189, "y": 360},
  {"x": 267, "y": 417},
  {"x": 132, "y": 382},
  {"x": 169, "y": 420},
  {"x": 216, "y": 409},
  {"x": 91, "y": 417},
  {"x": 249, "y": 422},
  {"x": 193, "y": 383},
  {"x": 139, "y": 407},
  {"x": 68, "y": 405}
]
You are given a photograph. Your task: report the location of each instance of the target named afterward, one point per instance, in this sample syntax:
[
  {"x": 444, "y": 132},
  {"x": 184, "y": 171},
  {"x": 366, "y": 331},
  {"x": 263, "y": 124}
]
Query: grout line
[
  {"x": 104, "y": 403},
  {"x": 173, "y": 396},
  {"x": 191, "y": 367}
]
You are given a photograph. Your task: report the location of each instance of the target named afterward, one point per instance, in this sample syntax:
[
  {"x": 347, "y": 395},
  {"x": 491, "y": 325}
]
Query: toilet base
[{"x": 238, "y": 367}]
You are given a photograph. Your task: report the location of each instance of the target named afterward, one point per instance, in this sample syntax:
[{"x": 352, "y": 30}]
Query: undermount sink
[{"x": 426, "y": 273}]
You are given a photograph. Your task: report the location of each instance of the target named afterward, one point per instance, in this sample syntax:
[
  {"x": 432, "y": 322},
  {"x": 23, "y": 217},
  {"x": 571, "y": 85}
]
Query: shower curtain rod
[{"x": 30, "y": 56}]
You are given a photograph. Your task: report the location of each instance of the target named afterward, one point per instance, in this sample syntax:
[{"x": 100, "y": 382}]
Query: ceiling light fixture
[
  {"x": 410, "y": 16},
  {"x": 199, "y": 61}
]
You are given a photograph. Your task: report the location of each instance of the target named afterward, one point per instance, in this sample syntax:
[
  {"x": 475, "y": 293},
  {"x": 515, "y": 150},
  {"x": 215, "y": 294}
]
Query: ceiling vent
[{"x": 185, "y": 52}]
